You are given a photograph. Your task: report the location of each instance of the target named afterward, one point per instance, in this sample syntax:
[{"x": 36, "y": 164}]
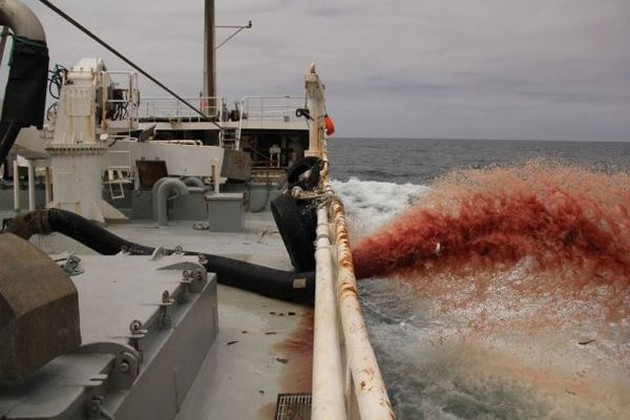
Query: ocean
[
  {"x": 419, "y": 161},
  {"x": 497, "y": 273}
]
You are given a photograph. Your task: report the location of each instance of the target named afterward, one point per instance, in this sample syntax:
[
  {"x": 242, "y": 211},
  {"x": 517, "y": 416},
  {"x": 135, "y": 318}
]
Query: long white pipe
[
  {"x": 31, "y": 185},
  {"x": 328, "y": 395},
  {"x": 364, "y": 375},
  {"x": 369, "y": 388}
]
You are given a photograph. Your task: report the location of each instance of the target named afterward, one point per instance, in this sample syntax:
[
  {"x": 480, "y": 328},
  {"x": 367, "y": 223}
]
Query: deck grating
[{"x": 293, "y": 406}]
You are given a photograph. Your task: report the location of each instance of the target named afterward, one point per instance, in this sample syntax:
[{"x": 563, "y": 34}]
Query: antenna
[{"x": 238, "y": 30}]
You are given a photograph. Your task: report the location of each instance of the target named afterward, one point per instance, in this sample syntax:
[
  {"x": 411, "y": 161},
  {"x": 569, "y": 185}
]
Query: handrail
[
  {"x": 270, "y": 108},
  {"x": 328, "y": 393},
  {"x": 363, "y": 387},
  {"x": 366, "y": 379},
  {"x": 167, "y": 107},
  {"x": 364, "y": 384}
]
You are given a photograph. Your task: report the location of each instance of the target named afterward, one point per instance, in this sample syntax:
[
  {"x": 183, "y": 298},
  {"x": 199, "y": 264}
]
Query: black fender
[
  {"x": 297, "y": 223},
  {"x": 304, "y": 173}
]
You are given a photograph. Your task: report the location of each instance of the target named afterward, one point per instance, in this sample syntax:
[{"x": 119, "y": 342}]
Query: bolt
[{"x": 135, "y": 326}]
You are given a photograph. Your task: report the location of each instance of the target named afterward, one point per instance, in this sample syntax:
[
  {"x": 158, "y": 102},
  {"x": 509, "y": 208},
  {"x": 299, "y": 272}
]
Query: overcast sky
[{"x": 505, "y": 69}]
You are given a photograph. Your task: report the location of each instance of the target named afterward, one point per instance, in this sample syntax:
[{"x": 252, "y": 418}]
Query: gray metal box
[
  {"x": 142, "y": 204},
  {"x": 136, "y": 373},
  {"x": 225, "y": 212},
  {"x": 190, "y": 207}
]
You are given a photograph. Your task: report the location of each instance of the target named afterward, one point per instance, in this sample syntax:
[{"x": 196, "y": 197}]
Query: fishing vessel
[{"x": 201, "y": 304}]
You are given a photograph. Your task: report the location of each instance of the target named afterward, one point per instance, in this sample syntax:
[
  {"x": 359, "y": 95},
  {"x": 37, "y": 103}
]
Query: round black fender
[
  {"x": 297, "y": 176},
  {"x": 296, "y": 223}
]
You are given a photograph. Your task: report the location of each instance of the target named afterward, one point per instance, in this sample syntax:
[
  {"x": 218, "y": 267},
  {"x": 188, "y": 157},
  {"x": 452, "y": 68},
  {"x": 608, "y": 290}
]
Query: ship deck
[{"x": 263, "y": 347}]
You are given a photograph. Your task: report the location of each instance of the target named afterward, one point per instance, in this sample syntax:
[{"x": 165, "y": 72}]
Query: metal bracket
[
  {"x": 137, "y": 334},
  {"x": 126, "y": 366},
  {"x": 164, "y": 320},
  {"x": 71, "y": 266},
  {"x": 194, "y": 280}
]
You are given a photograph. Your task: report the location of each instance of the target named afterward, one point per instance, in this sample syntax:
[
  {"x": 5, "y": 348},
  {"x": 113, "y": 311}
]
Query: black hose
[
  {"x": 72, "y": 225},
  {"x": 278, "y": 284},
  {"x": 92, "y": 235}
]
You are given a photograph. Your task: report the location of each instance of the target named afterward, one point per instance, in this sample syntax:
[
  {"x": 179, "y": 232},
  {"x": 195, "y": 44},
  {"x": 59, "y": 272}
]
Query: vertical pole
[
  {"x": 31, "y": 185},
  {"x": 315, "y": 95},
  {"x": 47, "y": 182},
  {"x": 16, "y": 185},
  {"x": 209, "y": 69},
  {"x": 3, "y": 41}
]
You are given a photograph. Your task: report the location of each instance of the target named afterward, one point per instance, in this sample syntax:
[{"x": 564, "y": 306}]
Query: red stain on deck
[
  {"x": 566, "y": 220},
  {"x": 297, "y": 350},
  {"x": 296, "y": 354}
]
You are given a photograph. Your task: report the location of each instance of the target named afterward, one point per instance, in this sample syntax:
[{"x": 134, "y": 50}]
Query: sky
[{"x": 499, "y": 69}]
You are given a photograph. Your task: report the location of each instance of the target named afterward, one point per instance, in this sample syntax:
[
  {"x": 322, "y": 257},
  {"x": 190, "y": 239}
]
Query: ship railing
[
  {"x": 347, "y": 382},
  {"x": 270, "y": 109},
  {"x": 159, "y": 109},
  {"x": 120, "y": 96}
]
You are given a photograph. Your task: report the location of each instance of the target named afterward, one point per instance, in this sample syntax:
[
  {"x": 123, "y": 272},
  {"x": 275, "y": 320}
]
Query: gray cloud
[{"x": 556, "y": 69}]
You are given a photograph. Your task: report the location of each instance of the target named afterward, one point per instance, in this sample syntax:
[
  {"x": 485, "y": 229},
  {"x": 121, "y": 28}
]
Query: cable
[
  {"x": 125, "y": 59},
  {"x": 56, "y": 80}
]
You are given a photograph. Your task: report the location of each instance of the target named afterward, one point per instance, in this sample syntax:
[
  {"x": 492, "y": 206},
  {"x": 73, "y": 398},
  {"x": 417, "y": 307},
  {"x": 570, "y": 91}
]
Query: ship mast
[{"x": 209, "y": 67}]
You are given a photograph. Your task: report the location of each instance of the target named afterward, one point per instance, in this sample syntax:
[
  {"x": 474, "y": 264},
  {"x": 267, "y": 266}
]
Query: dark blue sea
[
  {"x": 440, "y": 364},
  {"x": 419, "y": 161}
]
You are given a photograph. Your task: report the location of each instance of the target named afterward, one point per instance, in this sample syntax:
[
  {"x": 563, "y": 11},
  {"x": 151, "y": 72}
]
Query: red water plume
[{"x": 559, "y": 217}]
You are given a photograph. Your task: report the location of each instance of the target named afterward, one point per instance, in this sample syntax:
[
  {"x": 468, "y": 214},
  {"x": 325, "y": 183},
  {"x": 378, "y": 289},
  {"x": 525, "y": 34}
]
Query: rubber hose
[
  {"x": 44, "y": 222},
  {"x": 278, "y": 284}
]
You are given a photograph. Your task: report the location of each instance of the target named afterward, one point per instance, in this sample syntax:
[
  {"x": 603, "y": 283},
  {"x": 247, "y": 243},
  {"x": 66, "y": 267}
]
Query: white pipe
[
  {"x": 369, "y": 388},
  {"x": 328, "y": 395},
  {"x": 31, "y": 185},
  {"x": 362, "y": 372},
  {"x": 215, "y": 175},
  {"x": 48, "y": 189}
]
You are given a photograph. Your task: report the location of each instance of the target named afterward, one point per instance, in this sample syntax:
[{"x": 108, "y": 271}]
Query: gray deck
[
  {"x": 263, "y": 347},
  {"x": 259, "y": 351}
]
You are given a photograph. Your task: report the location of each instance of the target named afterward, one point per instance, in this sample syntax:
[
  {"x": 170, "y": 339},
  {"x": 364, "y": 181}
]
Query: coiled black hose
[{"x": 278, "y": 284}]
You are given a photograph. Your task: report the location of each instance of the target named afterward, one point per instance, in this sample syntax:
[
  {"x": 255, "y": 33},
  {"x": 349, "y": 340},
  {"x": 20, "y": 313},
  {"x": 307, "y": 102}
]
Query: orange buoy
[{"x": 329, "y": 125}]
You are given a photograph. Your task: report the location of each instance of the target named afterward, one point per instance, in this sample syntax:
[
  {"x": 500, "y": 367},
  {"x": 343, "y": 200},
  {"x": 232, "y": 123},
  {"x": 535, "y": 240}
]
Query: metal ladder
[
  {"x": 229, "y": 138},
  {"x": 118, "y": 172}
]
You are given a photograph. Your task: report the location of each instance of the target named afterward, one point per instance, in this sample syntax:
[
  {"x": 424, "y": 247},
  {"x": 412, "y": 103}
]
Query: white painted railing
[
  {"x": 328, "y": 390},
  {"x": 156, "y": 107},
  {"x": 261, "y": 110},
  {"x": 347, "y": 382}
]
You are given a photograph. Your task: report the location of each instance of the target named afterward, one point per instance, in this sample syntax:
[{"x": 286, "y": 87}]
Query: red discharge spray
[
  {"x": 531, "y": 264},
  {"x": 563, "y": 218}
]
